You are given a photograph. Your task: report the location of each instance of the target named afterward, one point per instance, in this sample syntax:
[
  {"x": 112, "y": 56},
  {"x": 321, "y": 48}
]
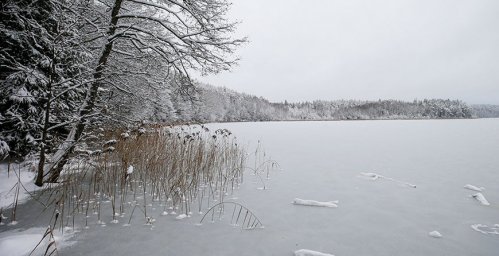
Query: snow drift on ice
[
  {"x": 305, "y": 252},
  {"x": 481, "y": 198},
  {"x": 435, "y": 234},
  {"x": 331, "y": 204},
  {"x": 474, "y": 188}
]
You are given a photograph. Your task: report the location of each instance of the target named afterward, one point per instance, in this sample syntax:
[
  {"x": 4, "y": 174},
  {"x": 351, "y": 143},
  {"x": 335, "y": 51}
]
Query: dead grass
[{"x": 180, "y": 169}]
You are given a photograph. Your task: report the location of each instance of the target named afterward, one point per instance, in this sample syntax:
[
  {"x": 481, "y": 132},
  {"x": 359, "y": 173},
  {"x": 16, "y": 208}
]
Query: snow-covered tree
[
  {"x": 183, "y": 35},
  {"x": 41, "y": 63}
]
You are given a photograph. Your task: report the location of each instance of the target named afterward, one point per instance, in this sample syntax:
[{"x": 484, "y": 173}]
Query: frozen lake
[{"x": 322, "y": 161}]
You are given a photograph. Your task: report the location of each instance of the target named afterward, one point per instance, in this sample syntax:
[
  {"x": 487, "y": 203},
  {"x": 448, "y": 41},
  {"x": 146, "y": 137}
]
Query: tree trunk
[
  {"x": 53, "y": 169},
  {"x": 41, "y": 163}
]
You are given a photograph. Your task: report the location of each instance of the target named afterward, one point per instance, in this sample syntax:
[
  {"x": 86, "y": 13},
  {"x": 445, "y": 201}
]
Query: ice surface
[
  {"x": 481, "y": 198},
  {"x": 321, "y": 160},
  {"x": 435, "y": 234},
  {"x": 332, "y": 204},
  {"x": 306, "y": 252},
  {"x": 475, "y": 188}
]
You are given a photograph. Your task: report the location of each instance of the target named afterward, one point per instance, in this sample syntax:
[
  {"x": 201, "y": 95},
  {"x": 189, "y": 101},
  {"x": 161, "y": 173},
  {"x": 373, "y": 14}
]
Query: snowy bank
[
  {"x": 17, "y": 243},
  {"x": 331, "y": 204}
]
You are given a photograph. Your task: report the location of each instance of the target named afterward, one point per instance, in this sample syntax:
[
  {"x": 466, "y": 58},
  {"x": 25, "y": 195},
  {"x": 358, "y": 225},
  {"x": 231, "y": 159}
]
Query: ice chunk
[
  {"x": 435, "y": 234},
  {"x": 371, "y": 175},
  {"x": 306, "y": 252},
  {"x": 484, "y": 229},
  {"x": 471, "y": 187},
  {"x": 481, "y": 198},
  {"x": 332, "y": 204},
  {"x": 375, "y": 176},
  {"x": 477, "y": 227}
]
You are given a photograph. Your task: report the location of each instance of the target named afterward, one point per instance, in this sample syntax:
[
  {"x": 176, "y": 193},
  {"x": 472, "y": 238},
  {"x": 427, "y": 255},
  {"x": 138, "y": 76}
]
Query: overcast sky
[{"x": 367, "y": 49}]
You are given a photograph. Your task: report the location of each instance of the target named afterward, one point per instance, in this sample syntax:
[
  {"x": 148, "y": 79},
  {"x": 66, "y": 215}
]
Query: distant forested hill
[
  {"x": 218, "y": 104},
  {"x": 486, "y": 111}
]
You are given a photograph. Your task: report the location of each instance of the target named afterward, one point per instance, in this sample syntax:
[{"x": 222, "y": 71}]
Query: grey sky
[{"x": 353, "y": 49}]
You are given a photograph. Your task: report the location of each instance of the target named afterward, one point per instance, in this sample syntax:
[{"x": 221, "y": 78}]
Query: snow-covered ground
[
  {"x": 322, "y": 161},
  {"x": 9, "y": 180},
  {"x": 32, "y": 241}
]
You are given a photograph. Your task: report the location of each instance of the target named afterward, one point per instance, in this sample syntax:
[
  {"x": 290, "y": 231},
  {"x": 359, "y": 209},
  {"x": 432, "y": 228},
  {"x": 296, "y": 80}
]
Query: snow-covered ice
[
  {"x": 332, "y": 204},
  {"x": 306, "y": 252},
  {"x": 481, "y": 198}
]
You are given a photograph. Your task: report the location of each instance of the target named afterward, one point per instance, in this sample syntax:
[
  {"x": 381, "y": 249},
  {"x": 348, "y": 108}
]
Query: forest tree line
[{"x": 217, "y": 104}]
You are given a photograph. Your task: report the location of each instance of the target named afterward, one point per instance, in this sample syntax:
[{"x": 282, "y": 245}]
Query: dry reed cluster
[{"x": 182, "y": 169}]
